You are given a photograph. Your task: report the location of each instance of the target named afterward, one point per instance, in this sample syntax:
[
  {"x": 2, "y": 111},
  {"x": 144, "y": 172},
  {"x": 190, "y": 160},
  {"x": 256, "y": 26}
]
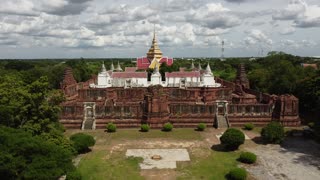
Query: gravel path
[{"x": 295, "y": 159}]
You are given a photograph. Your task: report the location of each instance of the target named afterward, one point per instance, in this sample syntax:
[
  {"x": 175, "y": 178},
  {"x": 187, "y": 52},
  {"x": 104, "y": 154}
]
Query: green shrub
[
  {"x": 237, "y": 174},
  {"x": 232, "y": 139},
  {"x": 201, "y": 126},
  {"x": 273, "y": 133},
  {"x": 145, "y": 127},
  {"x": 111, "y": 127},
  {"x": 82, "y": 142},
  {"x": 248, "y": 126},
  {"x": 311, "y": 125},
  {"x": 167, "y": 127},
  {"x": 73, "y": 175},
  {"x": 248, "y": 157}
]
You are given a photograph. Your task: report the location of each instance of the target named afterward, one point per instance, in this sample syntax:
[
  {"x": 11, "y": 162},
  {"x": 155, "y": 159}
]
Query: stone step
[{"x": 222, "y": 122}]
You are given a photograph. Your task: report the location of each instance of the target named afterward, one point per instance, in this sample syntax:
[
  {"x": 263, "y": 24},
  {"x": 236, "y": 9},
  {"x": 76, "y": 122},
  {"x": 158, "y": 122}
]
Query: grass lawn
[
  {"x": 100, "y": 163},
  {"x": 214, "y": 166}
]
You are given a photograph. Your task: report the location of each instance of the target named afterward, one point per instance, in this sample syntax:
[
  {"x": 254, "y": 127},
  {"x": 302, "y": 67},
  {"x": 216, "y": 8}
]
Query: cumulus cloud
[
  {"x": 213, "y": 16},
  {"x": 256, "y": 36},
  {"x": 294, "y": 10},
  {"x": 288, "y": 31}
]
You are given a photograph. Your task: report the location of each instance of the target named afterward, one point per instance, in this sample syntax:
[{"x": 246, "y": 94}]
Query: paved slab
[{"x": 168, "y": 160}]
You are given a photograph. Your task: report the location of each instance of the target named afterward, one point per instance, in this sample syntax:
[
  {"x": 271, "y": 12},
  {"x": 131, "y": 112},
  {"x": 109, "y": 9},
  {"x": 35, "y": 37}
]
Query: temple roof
[
  {"x": 129, "y": 75},
  {"x": 183, "y": 74}
]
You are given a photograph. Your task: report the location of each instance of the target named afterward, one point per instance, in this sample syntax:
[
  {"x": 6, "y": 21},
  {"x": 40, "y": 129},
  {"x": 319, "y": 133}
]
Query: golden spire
[{"x": 154, "y": 51}]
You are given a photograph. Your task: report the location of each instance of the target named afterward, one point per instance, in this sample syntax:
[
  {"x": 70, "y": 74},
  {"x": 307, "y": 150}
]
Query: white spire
[
  {"x": 112, "y": 67},
  {"x": 199, "y": 67},
  {"x": 103, "y": 68},
  {"x": 118, "y": 67},
  {"x": 208, "y": 70},
  {"x": 192, "y": 65}
]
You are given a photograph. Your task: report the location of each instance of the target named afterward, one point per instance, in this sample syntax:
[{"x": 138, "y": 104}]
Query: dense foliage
[
  {"x": 167, "y": 127},
  {"x": 248, "y": 157},
  {"x": 82, "y": 142},
  {"x": 24, "y": 156},
  {"x": 237, "y": 174},
  {"x": 249, "y": 126},
  {"x": 201, "y": 126},
  {"x": 273, "y": 133},
  {"x": 232, "y": 139},
  {"x": 145, "y": 128},
  {"x": 111, "y": 127}
]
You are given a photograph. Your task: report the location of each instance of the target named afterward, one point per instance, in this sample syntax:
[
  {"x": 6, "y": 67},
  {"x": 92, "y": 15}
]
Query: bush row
[{"x": 111, "y": 127}]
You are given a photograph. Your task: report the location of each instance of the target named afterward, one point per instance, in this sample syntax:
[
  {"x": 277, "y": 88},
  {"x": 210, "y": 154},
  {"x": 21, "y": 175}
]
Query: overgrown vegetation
[
  {"x": 232, "y": 139},
  {"x": 273, "y": 133}
]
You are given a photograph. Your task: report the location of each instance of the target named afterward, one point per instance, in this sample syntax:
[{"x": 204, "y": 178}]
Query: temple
[
  {"x": 154, "y": 57},
  {"x": 185, "y": 98}
]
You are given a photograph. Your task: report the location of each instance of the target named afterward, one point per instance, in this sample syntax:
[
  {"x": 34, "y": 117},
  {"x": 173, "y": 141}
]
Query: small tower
[
  {"x": 104, "y": 78},
  {"x": 222, "y": 51},
  {"x": 208, "y": 78},
  {"x": 241, "y": 78},
  {"x": 112, "y": 66},
  {"x": 118, "y": 69}
]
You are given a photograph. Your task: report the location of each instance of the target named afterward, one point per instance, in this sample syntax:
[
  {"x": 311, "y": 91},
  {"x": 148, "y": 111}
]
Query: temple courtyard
[{"x": 190, "y": 154}]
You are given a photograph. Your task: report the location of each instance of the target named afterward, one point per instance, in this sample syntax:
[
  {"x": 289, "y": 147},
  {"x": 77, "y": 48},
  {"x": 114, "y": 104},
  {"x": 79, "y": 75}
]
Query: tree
[{"x": 24, "y": 156}]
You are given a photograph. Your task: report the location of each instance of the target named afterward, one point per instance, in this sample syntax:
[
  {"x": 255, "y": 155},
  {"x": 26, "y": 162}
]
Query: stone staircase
[
  {"x": 88, "y": 123},
  {"x": 222, "y": 121}
]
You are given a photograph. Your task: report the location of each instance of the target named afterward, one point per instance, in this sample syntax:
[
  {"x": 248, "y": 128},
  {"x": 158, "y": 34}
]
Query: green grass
[
  {"x": 214, "y": 166},
  {"x": 96, "y": 166},
  {"x": 101, "y": 164}
]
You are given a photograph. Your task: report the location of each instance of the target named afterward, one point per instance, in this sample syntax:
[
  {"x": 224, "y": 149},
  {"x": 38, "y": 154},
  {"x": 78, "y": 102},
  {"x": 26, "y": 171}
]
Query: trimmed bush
[
  {"x": 145, "y": 127},
  {"x": 167, "y": 127},
  {"x": 111, "y": 127},
  {"x": 248, "y": 126},
  {"x": 201, "y": 126},
  {"x": 237, "y": 174},
  {"x": 247, "y": 157},
  {"x": 232, "y": 139},
  {"x": 82, "y": 142},
  {"x": 273, "y": 133}
]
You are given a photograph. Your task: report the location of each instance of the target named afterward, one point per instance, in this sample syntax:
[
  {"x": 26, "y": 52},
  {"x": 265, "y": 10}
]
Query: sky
[{"x": 184, "y": 28}]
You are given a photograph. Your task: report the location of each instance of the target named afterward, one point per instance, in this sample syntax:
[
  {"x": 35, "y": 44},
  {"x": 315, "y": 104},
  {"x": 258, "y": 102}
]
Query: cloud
[
  {"x": 236, "y": 1},
  {"x": 307, "y": 22},
  {"x": 213, "y": 16},
  {"x": 288, "y": 31},
  {"x": 256, "y": 36},
  {"x": 294, "y": 10}
]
